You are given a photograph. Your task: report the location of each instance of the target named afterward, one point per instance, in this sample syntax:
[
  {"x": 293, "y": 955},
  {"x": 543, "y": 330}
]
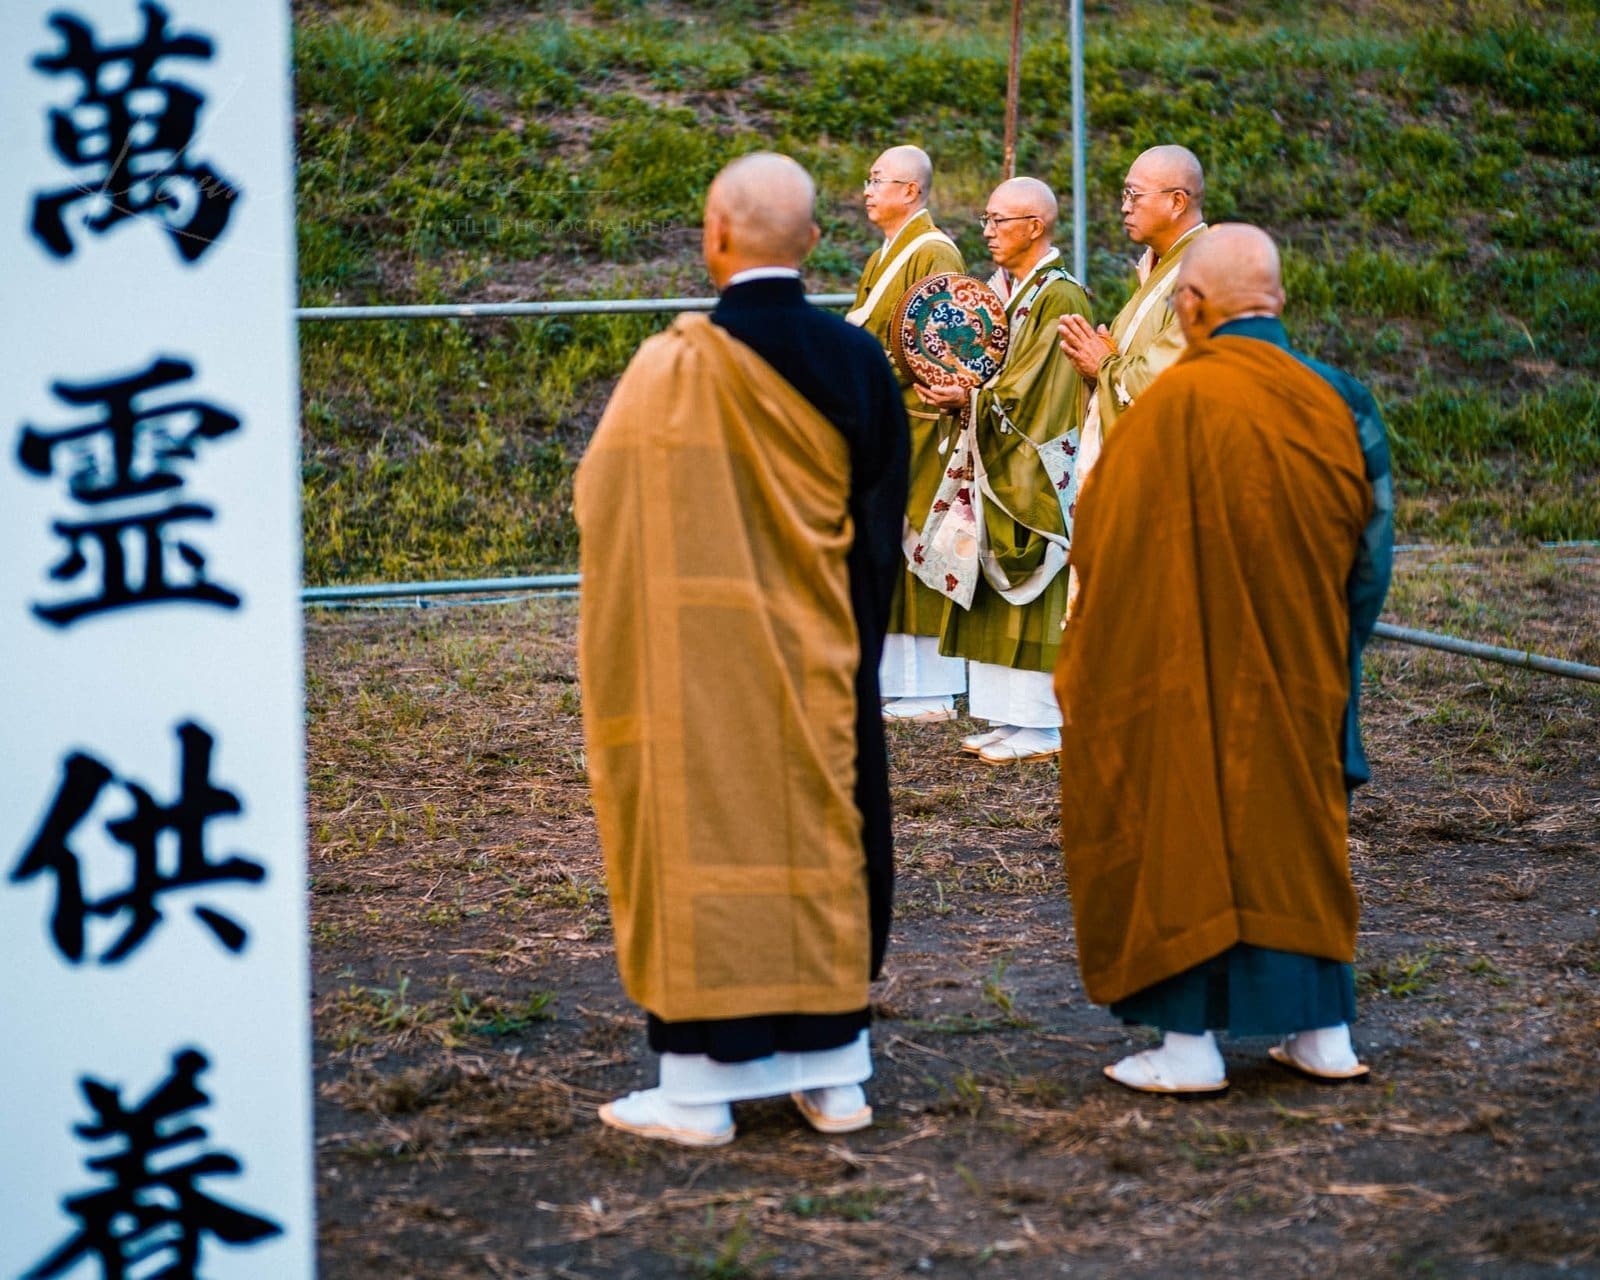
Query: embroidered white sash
[{"x": 858, "y": 317}]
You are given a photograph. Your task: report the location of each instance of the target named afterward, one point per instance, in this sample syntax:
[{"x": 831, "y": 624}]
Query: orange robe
[{"x": 1204, "y": 672}]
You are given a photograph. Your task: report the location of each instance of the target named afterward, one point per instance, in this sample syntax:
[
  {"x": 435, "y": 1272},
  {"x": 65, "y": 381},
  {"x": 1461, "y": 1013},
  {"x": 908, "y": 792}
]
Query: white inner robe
[
  {"x": 695, "y": 1079},
  {"x": 913, "y": 667},
  {"x": 1004, "y": 695}
]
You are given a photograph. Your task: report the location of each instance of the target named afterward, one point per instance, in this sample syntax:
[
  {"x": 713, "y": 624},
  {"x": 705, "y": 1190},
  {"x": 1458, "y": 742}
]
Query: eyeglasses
[
  {"x": 867, "y": 186},
  {"x": 1130, "y": 196},
  {"x": 987, "y": 220},
  {"x": 1184, "y": 287}
]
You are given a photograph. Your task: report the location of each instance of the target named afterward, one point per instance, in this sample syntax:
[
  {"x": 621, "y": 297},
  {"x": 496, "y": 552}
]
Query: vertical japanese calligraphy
[
  {"x": 152, "y": 843},
  {"x": 144, "y": 1211},
  {"x": 127, "y": 454},
  {"x": 126, "y": 137},
  {"x": 198, "y": 802}
]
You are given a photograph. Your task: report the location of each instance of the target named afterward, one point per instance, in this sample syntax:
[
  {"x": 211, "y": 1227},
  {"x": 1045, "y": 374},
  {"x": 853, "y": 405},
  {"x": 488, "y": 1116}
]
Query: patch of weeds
[
  {"x": 727, "y": 1260},
  {"x": 496, "y": 1016},
  {"x": 961, "y": 1095},
  {"x": 576, "y": 893},
  {"x": 860, "y": 1205},
  {"x": 997, "y": 994},
  {"x": 1406, "y": 975},
  {"x": 1484, "y": 967},
  {"x": 1207, "y": 1146},
  {"x": 444, "y": 914},
  {"x": 325, "y": 933},
  {"x": 354, "y": 1014},
  {"x": 394, "y": 1010},
  {"x": 1247, "y": 1203}
]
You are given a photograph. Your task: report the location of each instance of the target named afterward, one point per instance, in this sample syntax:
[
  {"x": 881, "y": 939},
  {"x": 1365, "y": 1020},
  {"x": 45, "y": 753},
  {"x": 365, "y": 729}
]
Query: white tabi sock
[
  {"x": 1326, "y": 1051},
  {"x": 1192, "y": 1057}
]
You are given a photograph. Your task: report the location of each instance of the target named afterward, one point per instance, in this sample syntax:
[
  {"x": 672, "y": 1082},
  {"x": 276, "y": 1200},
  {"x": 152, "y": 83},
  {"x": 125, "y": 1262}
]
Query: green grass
[{"x": 1432, "y": 181}]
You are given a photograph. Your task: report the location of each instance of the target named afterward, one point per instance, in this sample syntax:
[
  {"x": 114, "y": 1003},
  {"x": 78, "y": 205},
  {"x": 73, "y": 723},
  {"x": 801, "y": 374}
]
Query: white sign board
[{"x": 154, "y": 1066}]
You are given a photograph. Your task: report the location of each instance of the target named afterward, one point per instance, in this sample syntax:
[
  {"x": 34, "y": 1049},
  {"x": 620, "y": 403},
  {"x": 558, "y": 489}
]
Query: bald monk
[
  {"x": 1212, "y": 737},
  {"x": 918, "y": 683},
  {"x": 1162, "y": 201},
  {"x": 740, "y": 509},
  {"x": 1023, "y": 433}
]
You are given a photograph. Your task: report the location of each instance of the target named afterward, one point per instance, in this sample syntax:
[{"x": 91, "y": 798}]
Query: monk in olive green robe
[
  {"x": 917, "y": 682},
  {"x": 1023, "y": 438},
  {"x": 1161, "y": 209}
]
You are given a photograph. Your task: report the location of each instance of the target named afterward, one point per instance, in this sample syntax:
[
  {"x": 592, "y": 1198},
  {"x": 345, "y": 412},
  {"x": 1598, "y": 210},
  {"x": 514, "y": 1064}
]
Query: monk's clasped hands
[{"x": 1083, "y": 344}]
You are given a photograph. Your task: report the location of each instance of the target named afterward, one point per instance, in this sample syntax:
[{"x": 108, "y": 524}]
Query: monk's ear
[
  {"x": 715, "y": 232},
  {"x": 811, "y": 241}
]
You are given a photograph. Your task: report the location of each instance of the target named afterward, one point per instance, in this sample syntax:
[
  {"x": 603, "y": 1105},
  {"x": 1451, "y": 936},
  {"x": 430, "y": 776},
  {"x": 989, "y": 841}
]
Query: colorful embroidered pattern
[{"x": 949, "y": 330}]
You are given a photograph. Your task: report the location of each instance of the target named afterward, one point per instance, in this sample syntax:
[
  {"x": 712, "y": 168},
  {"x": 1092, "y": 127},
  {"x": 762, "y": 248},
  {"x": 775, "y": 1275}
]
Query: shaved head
[
  {"x": 1169, "y": 166},
  {"x": 1026, "y": 196},
  {"x": 1162, "y": 197},
  {"x": 762, "y": 204},
  {"x": 1018, "y": 222},
  {"x": 897, "y": 188},
  {"x": 1231, "y": 271},
  {"x": 908, "y": 164}
]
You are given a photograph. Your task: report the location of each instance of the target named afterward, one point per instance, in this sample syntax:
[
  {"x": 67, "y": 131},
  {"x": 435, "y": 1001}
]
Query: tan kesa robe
[
  {"x": 1149, "y": 339},
  {"x": 917, "y": 610},
  {"x": 1204, "y": 672},
  {"x": 718, "y": 652}
]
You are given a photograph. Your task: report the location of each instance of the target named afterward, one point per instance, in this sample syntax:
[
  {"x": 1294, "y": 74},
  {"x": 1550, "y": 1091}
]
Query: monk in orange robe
[{"x": 1232, "y": 549}]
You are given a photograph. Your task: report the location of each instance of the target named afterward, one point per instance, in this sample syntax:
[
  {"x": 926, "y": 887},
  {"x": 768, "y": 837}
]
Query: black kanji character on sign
[
  {"x": 147, "y": 1212},
  {"x": 127, "y": 452},
  {"x": 140, "y": 831},
  {"x": 128, "y": 131}
]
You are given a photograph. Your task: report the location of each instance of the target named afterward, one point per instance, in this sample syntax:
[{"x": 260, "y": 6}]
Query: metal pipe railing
[
  {"x": 452, "y": 587},
  {"x": 566, "y": 584},
  {"x": 576, "y": 307},
  {"x": 1488, "y": 652}
]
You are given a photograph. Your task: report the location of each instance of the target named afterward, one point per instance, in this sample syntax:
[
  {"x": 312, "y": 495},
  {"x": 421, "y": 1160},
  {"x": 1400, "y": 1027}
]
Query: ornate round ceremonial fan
[{"x": 949, "y": 331}]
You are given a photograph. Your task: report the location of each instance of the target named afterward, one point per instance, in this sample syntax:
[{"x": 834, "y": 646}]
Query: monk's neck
[
  {"x": 889, "y": 233},
  {"x": 1027, "y": 266},
  {"x": 1172, "y": 240}
]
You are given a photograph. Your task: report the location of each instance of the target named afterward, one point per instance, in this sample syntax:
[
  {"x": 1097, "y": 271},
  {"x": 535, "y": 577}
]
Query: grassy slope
[{"x": 1433, "y": 183}]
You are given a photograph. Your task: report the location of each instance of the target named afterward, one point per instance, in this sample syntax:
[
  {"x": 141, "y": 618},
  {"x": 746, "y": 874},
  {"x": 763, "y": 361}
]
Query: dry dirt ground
[{"x": 469, "y": 1019}]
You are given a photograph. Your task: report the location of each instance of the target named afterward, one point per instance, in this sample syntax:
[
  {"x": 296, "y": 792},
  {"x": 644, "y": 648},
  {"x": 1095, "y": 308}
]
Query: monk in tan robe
[
  {"x": 1207, "y": 704},
  {"x": 740, "y": 507},
  {"x": 919, "y": 684},
  {"x": 1162, "y": 201}
]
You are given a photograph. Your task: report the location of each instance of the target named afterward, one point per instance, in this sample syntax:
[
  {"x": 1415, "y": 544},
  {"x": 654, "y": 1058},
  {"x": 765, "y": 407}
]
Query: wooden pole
[{"x": 1013, "y": 85}]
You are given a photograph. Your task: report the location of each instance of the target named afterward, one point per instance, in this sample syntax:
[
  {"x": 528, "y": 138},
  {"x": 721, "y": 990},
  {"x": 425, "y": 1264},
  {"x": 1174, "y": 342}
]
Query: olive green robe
[
  {"x": 917, "y": 610},
  {"x": 1149, "y": 339},
  {"x": 1035, "y": 400}
]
